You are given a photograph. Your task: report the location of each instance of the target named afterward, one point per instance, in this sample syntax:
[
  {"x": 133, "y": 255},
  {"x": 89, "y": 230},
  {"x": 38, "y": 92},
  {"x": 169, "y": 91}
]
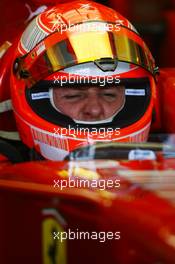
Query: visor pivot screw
[{"x": 16, "y": 66}]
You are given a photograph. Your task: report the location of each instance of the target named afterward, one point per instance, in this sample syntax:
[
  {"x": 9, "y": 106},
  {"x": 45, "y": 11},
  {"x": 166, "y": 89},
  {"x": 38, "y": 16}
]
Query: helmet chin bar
[{"x": 104, "y": 121}]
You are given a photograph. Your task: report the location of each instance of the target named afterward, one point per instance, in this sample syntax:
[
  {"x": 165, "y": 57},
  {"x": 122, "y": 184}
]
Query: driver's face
[{"x": 93, "y": 103}]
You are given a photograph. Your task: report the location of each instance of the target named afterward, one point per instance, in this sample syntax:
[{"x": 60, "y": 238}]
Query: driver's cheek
[
  {"x": 75, "y": 110},
  {"x": 111, "y": 108}
]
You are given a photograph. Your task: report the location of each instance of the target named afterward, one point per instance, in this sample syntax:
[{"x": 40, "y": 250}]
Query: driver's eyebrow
[{"x": 82, "y": 88}]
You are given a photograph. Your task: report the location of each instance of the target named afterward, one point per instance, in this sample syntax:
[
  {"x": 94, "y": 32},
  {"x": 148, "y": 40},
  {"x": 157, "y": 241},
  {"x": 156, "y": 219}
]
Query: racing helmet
[{"x": 79, "y": 46}]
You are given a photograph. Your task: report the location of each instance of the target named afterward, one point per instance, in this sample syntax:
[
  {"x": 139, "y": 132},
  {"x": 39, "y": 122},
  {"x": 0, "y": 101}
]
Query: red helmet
[{"x": 81, "y": 44}]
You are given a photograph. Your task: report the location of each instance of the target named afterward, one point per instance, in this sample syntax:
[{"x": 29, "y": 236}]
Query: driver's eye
[
  {"x": 73, "y": 96},
  {"x": 109, "y": 96}
]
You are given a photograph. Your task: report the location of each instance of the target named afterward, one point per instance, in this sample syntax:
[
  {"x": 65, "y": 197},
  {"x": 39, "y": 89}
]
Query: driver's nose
[{"x": 93, "y": 109}]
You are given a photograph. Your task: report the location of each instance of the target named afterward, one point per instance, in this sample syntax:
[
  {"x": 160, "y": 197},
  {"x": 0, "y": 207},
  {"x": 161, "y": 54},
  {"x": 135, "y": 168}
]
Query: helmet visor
[{"x": 59, "y": 51}]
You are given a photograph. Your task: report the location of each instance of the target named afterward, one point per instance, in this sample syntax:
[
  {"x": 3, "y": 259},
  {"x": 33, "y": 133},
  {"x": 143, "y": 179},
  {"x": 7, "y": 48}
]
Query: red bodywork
[{"x": 144, "y": 218}]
